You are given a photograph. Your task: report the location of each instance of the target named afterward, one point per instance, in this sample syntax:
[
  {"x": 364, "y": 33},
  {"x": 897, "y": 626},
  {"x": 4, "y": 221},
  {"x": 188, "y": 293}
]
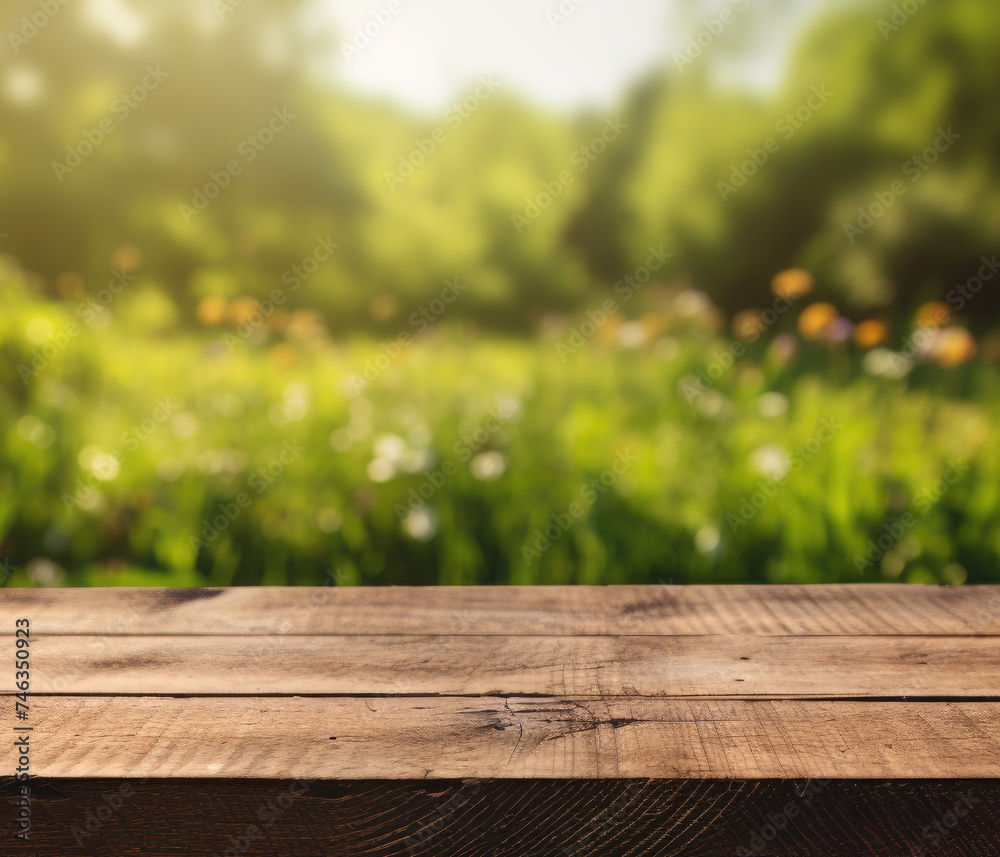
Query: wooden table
[{"x": 626, "y": 720}]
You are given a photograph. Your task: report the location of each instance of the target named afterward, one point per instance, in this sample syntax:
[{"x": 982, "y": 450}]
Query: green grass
[{"x": 333, "y": 515}]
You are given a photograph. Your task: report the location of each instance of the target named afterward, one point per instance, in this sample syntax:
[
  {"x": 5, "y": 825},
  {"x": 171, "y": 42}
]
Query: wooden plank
[
  {"x": 512, "y": 737},
  {"x": 511, "y": 818},
  {"x": 937, "y": 667},
  {"x": 863, "y": 609}
]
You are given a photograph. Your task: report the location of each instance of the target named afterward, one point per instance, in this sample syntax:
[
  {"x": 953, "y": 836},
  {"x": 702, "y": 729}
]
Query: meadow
[{"x": 664, "y": 446}]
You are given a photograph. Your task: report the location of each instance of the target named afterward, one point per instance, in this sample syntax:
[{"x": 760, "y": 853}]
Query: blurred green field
[{"x": 136, "y": 456}]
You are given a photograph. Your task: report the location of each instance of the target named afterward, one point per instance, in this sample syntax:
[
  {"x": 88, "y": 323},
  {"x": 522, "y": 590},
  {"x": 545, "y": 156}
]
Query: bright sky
[{"x": 427, "y": 51}]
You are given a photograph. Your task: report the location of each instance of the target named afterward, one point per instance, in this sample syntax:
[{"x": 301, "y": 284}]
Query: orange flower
[
  {"x": 870, "y": 333},
  {"x": 242, "y": 308},
  {"x": 954, "y": 347},
  {"x": 933, "y": 314},
  {"x": 816, "y": 318},
  {"x": 69, "y": 284},
  {"x": 305, "y": 324},
  {"x": 383, "y": 307},
  {"x": 126, "y": 258},
  {"x": 211, "y": 310},
  {"x": 793, "y": 282}
]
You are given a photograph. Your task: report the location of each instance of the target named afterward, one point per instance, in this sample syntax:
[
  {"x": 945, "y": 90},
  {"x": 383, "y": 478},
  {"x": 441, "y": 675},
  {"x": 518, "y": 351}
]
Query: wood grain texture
[
  {"x": 514, "y": 737},
  {"x": 510, "y": 818},
  {"x": 853, "y": 610},
  {"x": 512, "y": 721},
  {"x": 686, "y": 666},
  {"x": 790, "y": 681}
]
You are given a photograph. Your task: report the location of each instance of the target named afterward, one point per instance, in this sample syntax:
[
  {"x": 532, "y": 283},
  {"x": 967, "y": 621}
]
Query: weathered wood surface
[
  {"x": 526, "y": 683},
  {"x": 463, "y": 665},
  {"x": 511, "y": 721},
  {"x": 420, "y": 737},
  {"x": 819, "y": 610},
  {"x": 514, "y": 818}
]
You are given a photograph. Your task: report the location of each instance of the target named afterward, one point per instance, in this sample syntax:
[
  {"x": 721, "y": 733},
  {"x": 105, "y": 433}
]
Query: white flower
[
  {"x": 488, "y": 465},
  {"x": 888, "y": 364},
  {"x": 341, "y": 439},
  {"x": 772, "y": 405},
  {"x": 631, "y": 335},
  {"x": 185, "y": 425},
  {"x": 707, "y": 539},
  {"x": 104, "y": 466},
  {"x": 381, "y": 470},
  {"x": 770, "y": 461},
  {"x": 421, "y": 524},
  {"x": 390, "y": 446},
  {"x": 329, "y": 520}
]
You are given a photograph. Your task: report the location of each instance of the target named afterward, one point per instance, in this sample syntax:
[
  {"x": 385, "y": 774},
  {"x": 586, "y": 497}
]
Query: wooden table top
[{"x": 677, "y": 682}]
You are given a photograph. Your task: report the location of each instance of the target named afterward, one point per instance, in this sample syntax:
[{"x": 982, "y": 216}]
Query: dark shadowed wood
[
  {"x": 516, "y": 818},
  {"x": 863, "y": 609}
]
